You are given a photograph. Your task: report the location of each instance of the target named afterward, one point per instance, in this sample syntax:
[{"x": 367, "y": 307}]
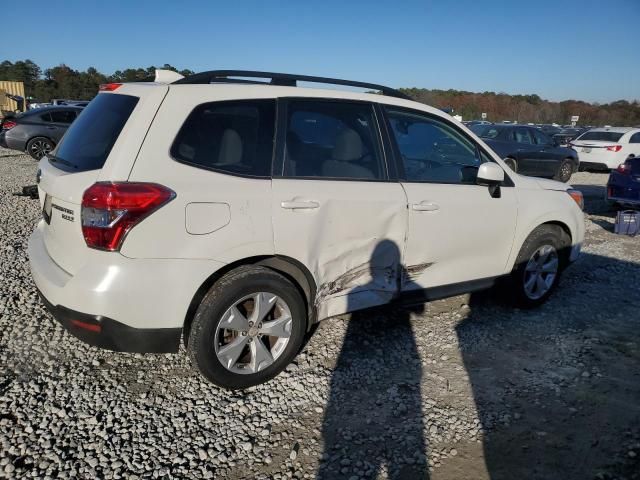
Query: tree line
[{"x": 64, "y": 82}]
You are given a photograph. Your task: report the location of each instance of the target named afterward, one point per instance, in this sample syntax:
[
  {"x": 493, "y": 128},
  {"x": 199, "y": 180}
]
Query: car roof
[
  {"x": 54, "y": 108},
  {"x": 256, "y": 90}
]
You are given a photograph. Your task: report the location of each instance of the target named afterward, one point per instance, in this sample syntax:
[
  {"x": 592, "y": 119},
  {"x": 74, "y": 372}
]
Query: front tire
[
  {"x": 38, "y": 147},
  {"x": 540, "y": 262},
  {"x": 565, "y": 170},
  {"x": 248, "y": 328}
]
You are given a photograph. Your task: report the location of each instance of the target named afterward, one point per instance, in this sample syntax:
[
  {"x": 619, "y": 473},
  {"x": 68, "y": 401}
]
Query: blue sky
[{"x": 584, "y": 50}]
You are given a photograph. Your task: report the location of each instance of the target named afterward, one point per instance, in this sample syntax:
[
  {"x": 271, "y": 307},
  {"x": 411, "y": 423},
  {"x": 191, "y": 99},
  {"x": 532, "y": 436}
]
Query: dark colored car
[
  {"x": 529, "y": 151},
  {"x": 37, "y": 132},
  {"x": 623, "y": 187},
  {"x": 565, "y": 135}
]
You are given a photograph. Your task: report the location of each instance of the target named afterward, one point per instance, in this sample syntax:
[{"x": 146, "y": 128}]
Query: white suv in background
[
  {"x": 233, "y": 214},
  {"x": 607, "y": 148}
]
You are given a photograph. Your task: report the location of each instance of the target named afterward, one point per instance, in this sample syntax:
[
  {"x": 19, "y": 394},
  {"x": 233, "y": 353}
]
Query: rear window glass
[
  {"x": 602, "y": 136},
  {"x": 231, "y": 137},
  {"x": 88, "y": 142}
]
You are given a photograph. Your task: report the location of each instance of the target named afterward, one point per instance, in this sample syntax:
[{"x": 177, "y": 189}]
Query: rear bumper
[
  {"x": 119, "y": 303},
  {"x": 7, "y": 141},
  {"x": 104, "y": 332},
  {"x": 595, "y": 165}
]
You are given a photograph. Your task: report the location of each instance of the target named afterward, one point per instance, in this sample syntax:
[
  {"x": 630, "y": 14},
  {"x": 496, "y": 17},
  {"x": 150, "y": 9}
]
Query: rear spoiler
[{"x": 167, "y": 76}]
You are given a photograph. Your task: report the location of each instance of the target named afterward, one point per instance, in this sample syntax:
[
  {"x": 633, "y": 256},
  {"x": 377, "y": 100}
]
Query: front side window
[
  {"x": 332, "y": 139},
  {"x": 540, "y": 138},
  {"x": 433, "y": 150},
  {"x": 522, "y": 135},
  {"x": 232, "y": 137}
]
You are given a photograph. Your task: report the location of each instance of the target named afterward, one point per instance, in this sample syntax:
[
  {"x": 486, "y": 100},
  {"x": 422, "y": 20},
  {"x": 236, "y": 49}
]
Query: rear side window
[
  {"x": 63, "y": 116},
  {"x": 635, "y": 138},
  {"x": 230, "y": 137},
  {"x": 602, "y": 136},
  {"x": 89, "y": 140},
  {"x": 332, "y": 139}
]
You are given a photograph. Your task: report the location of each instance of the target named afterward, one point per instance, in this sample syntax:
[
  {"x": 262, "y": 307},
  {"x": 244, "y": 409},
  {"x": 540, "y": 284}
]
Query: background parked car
[
  {"x": 606, "y": 148},
  {"x": 37, "y": 131},
  {"x": 529, "y": 151},
  {"x": 623, "y": 187},
  {"x": 566, "y": 135}
]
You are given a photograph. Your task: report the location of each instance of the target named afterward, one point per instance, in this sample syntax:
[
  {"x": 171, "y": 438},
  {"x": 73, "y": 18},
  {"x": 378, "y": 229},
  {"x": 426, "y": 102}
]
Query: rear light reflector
[
  {"x": 577, "y": 197},
  {"x": 614, "y": 148},
  {"x": 109, "y": 87},
  {"x": 624, "y": 168},
  {"x": 92, "y": 327},
  {"x": 8, "y": 125},
  {"x": 111, "y": 210}
]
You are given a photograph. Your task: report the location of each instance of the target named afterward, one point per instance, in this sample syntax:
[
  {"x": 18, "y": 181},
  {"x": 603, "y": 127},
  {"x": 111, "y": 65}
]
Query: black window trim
[
  {"x": 226, "y": 172},
  {"x": 281, "y": 128},
  {"x": 399, "y": 165}
]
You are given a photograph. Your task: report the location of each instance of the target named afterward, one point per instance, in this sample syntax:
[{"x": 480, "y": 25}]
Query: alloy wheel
[
  {"x": 40, "y": 148},
  {"x": 541, "y": 271},
  {"x": 253, "y": 333}
]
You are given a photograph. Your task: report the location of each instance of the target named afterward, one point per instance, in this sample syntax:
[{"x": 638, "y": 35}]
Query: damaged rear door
[{"x": 335, "y": 207}]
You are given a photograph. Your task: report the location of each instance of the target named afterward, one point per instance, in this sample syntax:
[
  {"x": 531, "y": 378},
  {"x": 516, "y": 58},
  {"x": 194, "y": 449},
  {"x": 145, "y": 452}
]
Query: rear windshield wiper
[{"x": 54, "y": 159}]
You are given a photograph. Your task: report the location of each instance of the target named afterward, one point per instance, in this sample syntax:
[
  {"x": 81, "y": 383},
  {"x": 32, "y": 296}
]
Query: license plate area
[
  {"x": 586, "y": 149},
  {"x": 46, "y": 209}
]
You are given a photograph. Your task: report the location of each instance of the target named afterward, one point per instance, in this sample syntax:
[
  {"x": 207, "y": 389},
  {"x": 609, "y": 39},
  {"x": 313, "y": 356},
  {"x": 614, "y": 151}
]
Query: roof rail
[{"x": 282, "y": 79}]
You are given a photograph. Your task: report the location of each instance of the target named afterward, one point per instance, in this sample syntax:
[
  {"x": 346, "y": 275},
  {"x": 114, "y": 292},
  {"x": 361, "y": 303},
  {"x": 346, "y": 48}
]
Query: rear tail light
[
  {"x": 577, "y": 197},
  {"x": 111, "y": 210},
  {"x": 614, "y": 148},
  {"x": 109, "y": 87},
  {"x": 624, "y": 168},
  {"x": 8, "y": 125}
]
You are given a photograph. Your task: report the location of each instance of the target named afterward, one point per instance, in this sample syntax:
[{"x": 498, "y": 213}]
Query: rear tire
[
  {"x": 511, "y": 163},
  {"x": 233, "y": 340},
  {"x": 38, "y": 147},
  {"x": 565, "y": 170},
  {"x": 540, "y": 262}
]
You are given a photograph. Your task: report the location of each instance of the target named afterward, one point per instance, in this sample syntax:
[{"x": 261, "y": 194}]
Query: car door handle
[
  {"x": 299, "y": 205},
  {"x": 51, "y": 128},
  {"x": 425, "y": 207}
]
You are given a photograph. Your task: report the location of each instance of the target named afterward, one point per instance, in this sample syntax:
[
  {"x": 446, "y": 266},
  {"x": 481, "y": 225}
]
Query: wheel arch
[
  {"x": 291, "y": 268},
  {"x": 568, "y": 238},
  {"x": 33, "y": 137}
]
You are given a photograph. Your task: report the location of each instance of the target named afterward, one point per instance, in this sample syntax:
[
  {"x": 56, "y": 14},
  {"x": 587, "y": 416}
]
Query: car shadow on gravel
[
  {"x": 373, "y": 423},
  {"x": 557, "y": 389}
]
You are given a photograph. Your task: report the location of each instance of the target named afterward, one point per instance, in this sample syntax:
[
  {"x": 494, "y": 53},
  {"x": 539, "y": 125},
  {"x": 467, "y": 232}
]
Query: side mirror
[{"x": 490, "y": 173}]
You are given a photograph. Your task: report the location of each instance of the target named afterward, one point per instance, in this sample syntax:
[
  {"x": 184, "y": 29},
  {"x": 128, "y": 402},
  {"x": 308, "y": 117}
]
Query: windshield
[
  {"x": 88, "y": 142},
  {"x": 602, "y": 136}
]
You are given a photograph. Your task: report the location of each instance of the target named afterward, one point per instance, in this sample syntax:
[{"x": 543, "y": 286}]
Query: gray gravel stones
[{"x": 376, "y": 400}]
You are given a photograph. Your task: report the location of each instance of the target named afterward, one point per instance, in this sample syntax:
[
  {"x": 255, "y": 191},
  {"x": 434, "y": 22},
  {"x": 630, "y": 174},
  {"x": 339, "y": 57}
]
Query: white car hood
[
  {"x": 552, "y": 185},
  {"x": 543, "y": 183}
]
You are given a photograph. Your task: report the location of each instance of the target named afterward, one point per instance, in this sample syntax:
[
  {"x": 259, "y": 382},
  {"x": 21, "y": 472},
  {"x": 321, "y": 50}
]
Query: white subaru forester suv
[{"x": 233, "y": 210}]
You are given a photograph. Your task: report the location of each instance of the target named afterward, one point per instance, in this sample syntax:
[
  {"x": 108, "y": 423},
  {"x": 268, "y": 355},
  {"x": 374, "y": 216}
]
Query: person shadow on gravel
[{"x": 373, "y": 425}]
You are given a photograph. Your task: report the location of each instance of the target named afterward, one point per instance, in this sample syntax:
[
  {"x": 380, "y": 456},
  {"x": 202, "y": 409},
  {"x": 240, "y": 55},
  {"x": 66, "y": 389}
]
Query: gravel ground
[{"x": 463, "y": 388}]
